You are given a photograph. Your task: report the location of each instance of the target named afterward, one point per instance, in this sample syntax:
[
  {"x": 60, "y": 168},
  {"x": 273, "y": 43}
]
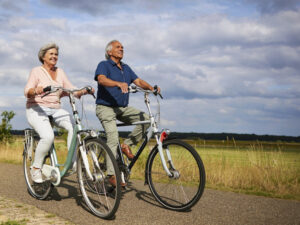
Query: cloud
[
  {"x": 13, "y": 6},
  {"x": 95, "y": 7},
  {"x": 218, "y": 73},
  {"x": 274, "y": 6}
]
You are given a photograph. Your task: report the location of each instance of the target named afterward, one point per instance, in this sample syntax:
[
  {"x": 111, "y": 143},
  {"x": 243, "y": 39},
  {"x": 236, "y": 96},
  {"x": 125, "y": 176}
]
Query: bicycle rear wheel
[
  {"x": 100, "y": 196},
  {"x": 183, "y": 190},
  {"x": 40, "y": 191}
]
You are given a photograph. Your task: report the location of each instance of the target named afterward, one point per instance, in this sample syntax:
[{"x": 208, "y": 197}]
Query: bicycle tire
[
  {"x": 100, "y": 196},
  {"x": 184, "y": 192},
  {"x": 39, "y": 191}
]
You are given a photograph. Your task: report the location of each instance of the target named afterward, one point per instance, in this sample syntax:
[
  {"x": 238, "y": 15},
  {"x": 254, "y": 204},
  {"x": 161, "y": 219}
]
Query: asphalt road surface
[{"x": 139, "y": 207}]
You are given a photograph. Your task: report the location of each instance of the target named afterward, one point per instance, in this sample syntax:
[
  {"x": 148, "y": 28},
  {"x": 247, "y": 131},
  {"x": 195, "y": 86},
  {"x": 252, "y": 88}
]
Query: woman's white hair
[
  {"x": 44, "y": 49},
  {"x": 109, "y": 48}
]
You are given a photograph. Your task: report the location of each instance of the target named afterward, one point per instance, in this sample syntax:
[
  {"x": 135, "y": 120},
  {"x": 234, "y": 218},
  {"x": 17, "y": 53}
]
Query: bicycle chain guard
[{"x": 51, "y": 173}]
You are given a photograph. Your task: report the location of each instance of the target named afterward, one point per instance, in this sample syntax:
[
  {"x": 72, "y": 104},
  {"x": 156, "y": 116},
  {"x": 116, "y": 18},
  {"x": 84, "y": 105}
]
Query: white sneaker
[{"x": 36, "y": 175}]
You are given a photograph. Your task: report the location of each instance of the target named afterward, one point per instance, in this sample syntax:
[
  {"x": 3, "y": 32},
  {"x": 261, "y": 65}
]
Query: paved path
[{"x": 139, "y": 207}]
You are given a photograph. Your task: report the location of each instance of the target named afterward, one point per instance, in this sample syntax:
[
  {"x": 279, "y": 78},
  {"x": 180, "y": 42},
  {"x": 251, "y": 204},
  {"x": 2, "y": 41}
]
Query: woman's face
[{"x": 51, "y": 57}]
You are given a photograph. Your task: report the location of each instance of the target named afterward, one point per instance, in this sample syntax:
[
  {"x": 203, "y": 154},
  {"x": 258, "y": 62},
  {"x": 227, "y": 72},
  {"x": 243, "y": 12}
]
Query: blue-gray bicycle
[{"x": 92, "y": 152}]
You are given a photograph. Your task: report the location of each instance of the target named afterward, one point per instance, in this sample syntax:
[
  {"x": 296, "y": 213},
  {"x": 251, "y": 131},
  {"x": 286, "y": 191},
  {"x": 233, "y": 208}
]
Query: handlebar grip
[
  {"x": 89, "y": 90},
  {"x": 48, "y": 88},
  {"x": 156, "y": 91}
]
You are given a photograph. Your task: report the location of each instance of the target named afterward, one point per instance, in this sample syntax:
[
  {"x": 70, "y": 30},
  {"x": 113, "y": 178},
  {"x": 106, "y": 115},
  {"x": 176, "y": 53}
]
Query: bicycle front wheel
[
  {"x": 182, "y": 190},
  {"x": 37, "y": 190},
  {"x": 101, "y": 197}
]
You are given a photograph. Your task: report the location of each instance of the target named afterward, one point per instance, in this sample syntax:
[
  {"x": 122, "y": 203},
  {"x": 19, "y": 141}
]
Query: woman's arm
[{"x": 31, "y": 88}]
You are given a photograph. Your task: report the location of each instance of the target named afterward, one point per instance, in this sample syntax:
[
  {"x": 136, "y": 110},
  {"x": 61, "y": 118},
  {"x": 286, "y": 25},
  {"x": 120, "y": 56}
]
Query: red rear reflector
[{"x": 163, "y": 136}]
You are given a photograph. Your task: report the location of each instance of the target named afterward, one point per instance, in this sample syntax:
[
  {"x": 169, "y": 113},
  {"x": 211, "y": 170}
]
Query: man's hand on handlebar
[
  {"x": 123, "y": 86},
  {"x": 90, "y": 90},
  {"x": 156, "y": 91}
]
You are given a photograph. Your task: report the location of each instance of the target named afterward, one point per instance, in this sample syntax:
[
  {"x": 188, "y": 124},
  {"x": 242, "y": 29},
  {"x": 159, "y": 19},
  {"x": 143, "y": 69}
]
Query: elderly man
[{"x": 114, "y": 77}]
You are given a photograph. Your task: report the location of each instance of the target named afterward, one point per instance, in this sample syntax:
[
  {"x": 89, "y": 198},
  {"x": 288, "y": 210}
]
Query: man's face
[{"x": 116, "y": 51}]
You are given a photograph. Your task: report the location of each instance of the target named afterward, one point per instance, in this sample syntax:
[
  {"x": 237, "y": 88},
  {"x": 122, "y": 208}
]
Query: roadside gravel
[{"x": 12, "y": 210}]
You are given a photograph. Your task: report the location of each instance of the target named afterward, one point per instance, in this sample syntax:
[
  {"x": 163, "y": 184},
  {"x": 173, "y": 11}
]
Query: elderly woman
[{"x": 39, "y": 109}]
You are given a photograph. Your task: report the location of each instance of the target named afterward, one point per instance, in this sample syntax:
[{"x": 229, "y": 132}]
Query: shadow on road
[{"x": 142, "y": 195}]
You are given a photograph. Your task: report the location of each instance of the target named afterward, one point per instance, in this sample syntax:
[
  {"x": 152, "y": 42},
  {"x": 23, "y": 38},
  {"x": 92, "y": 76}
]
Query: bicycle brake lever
[{"x": 47, "y": 91}]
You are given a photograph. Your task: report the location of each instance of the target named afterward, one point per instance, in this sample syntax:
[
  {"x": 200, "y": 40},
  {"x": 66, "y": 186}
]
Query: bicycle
[
  {"x": 174, "y": 170},
  {"x": 99, "y": 195}
]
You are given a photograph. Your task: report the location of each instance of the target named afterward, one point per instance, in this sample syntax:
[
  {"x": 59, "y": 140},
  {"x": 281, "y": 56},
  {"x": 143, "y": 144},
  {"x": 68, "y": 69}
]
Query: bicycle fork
[
  {"x": 95, "y": 164},
  {"x": 171, "y": 171}
]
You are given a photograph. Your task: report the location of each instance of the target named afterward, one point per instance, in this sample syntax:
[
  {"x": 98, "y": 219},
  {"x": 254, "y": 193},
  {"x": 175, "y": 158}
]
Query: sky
[{"x": 222, "y": 65}]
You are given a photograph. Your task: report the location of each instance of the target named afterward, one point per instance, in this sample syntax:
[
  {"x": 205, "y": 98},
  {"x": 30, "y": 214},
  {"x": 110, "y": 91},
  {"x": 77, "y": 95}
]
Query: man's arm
[
  {"x": 143, "y": 84},
  {"x": 104, "y": 81}
]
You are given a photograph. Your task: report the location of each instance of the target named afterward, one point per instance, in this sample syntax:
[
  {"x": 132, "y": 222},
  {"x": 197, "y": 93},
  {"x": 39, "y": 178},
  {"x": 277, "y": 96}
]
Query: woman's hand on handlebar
[{"x": 38, "y": 90}]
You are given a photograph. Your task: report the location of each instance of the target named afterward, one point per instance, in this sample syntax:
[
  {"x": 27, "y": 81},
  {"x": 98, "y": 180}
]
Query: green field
[
  {"x": 260, "y": 168},
  {"x": 252, "y": 167}
]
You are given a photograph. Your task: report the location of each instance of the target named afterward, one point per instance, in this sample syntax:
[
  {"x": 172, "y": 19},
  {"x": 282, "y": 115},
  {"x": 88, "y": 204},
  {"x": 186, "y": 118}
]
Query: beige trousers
[{"x": 108, "y": 117}]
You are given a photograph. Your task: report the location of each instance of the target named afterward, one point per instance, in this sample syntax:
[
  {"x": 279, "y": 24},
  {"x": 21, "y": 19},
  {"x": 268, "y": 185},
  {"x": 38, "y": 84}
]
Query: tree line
[
  {"x": 210, "y": 136},
  {"x": 6, "y": 133}
]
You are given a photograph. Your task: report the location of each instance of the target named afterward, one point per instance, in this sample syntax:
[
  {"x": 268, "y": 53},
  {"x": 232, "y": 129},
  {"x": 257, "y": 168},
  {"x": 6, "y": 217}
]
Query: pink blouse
[{"x": 40, "y": 77}]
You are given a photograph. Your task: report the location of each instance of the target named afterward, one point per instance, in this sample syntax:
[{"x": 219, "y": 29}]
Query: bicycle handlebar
[
  {"x": 134, "y": 89},
  {"x": 50, "y": 89}
]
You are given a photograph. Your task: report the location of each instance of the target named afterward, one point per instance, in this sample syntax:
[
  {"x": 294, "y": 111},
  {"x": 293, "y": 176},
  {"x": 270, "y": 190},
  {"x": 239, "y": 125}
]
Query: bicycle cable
[
  {"x": 83, "y": 114},
  {"x": 158, "y": 112}
]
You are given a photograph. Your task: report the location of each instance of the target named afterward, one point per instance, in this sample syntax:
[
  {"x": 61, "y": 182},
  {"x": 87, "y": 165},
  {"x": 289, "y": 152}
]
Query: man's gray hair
[
  {"x": 109, "y": 48},
  {"x": 44, "y": 49}
]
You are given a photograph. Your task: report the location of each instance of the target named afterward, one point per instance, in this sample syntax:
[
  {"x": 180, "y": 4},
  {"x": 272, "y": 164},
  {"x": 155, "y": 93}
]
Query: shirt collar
[{"x": 113, "y": 63}]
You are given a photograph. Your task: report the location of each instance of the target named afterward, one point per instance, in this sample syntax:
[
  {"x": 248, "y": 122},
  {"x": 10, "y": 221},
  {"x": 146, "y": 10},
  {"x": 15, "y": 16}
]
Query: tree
[{"x": 5, "y": 126}]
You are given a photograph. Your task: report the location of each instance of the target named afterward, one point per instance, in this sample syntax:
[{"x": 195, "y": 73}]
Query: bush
[{"x": 5, "y": 126}]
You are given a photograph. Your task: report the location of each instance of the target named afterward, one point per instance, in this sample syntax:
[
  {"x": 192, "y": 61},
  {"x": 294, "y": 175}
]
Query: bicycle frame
[
  {"x": 153, "y": 129},
  {"x": 77, "y": 142}
]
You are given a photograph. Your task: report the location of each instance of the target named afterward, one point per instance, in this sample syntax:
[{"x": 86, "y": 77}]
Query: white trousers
[{"x": 38, "y": 119}]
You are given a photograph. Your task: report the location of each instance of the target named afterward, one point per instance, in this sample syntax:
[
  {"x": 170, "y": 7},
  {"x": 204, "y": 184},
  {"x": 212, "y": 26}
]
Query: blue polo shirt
[{"x": 113, "y": 96}]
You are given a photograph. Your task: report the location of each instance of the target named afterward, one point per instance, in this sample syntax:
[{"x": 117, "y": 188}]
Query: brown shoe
[
  {"x": 126, "y": 150},
  {"x": 112, "y": 180}
]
